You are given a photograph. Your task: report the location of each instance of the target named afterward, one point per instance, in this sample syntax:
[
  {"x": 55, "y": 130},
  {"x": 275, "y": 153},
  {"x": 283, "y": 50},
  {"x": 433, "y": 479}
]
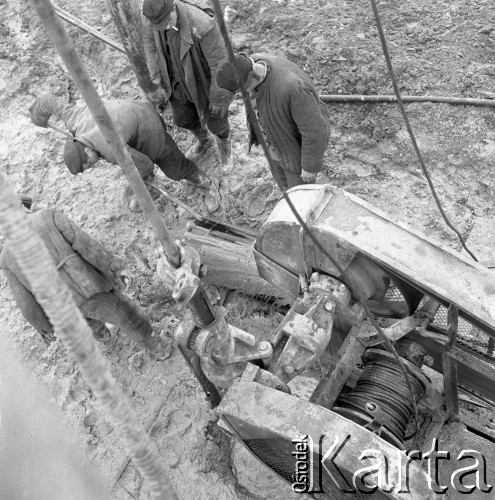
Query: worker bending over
[{"x": 139, "y": 125}]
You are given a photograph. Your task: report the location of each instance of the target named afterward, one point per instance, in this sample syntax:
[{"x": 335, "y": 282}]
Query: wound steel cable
[
  {"x": 379, "y": 383},
  {"x": 410, "y": 130}
]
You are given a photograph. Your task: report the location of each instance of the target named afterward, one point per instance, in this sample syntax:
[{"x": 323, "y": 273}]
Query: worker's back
[
  {"x": 140, "y": 126},
  {"x": 83, "y": 279}
]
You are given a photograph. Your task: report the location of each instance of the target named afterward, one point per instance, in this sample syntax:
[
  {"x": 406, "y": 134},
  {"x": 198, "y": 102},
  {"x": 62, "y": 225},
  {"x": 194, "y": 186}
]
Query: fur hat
[
  {"x": 74, "y": 156},
  {"x": 158, "y": 12},
  {"x": 226, "y": 74}
]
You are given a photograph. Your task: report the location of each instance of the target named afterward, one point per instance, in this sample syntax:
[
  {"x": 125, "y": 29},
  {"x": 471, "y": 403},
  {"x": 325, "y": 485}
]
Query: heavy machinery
[
  {"x": 349, "y": 440},
  {"x": 374, "y": 412}
]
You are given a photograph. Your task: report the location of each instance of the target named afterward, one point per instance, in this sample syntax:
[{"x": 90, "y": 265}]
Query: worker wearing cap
[
  {"x": 91, "y": 274},
  {"x": 139, "y": 125},
  {"x": 183, "y": 48},
  {"x": 293, "y": 119}
]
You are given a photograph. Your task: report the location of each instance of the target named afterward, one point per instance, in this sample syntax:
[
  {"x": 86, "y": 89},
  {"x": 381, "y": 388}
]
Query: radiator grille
[
  {"x": 276, "y": 453},
  {"x": 468, "y": 335}
]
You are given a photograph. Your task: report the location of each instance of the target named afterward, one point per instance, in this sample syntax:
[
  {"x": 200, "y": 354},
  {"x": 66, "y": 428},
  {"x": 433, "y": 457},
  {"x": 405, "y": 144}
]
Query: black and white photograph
[{"x": 247, "y": 250}]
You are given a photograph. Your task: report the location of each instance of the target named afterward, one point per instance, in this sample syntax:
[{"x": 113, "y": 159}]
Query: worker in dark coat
[
  {"x": 293, "y": 119},
  {"x": 139, "y": 125},
  {"x": 183, "y": 47},
  {"x": 91, "y": 274}
]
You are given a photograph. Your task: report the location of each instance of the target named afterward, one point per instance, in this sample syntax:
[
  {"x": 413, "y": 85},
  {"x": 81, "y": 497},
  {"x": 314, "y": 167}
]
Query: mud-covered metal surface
[
  {"x": 254, "y": 412},
  {"x": 346, "y": 225}
]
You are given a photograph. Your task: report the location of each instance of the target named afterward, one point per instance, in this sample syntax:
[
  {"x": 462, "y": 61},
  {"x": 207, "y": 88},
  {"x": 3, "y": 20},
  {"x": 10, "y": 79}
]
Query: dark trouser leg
[
  {"x": 220, "y": 126},
  {"x": 279, "y": 175},
  {"x": 115, "y": 308},
  {"x": 185, "y": 115},
  {"x": 175, "y": 164},
  {"x": 184, "y": 112},
  {"x": 293, "y": 179},
  {"x": 285, "y": 179}
]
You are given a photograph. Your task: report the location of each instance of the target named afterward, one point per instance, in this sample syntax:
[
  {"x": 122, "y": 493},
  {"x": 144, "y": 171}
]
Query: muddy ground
[{"x": 438, "y": 48}]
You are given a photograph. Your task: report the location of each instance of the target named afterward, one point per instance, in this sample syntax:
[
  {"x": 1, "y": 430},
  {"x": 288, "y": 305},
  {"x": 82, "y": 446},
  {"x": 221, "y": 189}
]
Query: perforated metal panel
[
  {"x": 276, "y": 453},
  {"x": 468, "y": 335},
  {"x": 267, "y": 422}
]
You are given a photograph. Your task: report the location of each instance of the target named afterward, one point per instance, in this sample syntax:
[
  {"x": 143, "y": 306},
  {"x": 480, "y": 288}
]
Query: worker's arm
[
  {"x": 89, "y": 248},
  {"x": 313, "y": 127},
  {"x": 159, "y": 95},
  {"x": 213, "y": 49},
  {"x": 151, "y": 52},
  {"x": 49, "y": 105},
  {"x": 143, "y": 163},
  {"x": 29, "y": 307}
]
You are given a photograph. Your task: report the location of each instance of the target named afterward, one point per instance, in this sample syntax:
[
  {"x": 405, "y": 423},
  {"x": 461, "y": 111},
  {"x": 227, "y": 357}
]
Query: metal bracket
[
  {"x": 378, "y": 416},
  {"x": 253, "y": 373},
  {"x": 183, "y": 282},
  {"x": 307, "y": 336},
  {"x": 450, "y": 367}
]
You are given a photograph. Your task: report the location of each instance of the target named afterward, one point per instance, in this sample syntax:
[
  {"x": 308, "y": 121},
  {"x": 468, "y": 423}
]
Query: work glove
[{"x": 308, "y": 177}]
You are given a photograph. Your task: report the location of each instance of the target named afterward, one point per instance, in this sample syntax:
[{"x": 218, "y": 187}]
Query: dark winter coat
[
  {"x": 292, "y": 115},
  {"x": 196, "y": 39},
  {"x": 140, "y": 126},
  {"x": 83, "y": 264}
]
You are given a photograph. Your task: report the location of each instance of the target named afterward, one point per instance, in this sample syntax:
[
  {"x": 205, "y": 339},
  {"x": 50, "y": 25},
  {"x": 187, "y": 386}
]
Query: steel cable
[
  {"x": 380, "y": 384},
  {"x": 410, "y": 130}
]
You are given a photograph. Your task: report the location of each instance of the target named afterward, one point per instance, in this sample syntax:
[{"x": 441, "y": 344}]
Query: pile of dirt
[{"x": 438, "y": 47}]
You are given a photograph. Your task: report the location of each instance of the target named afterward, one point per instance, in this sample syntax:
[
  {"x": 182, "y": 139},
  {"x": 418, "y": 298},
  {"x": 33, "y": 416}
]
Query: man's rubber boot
[
  {"x": 225, "y": 148},
  {"x": 203, "y": 143}
]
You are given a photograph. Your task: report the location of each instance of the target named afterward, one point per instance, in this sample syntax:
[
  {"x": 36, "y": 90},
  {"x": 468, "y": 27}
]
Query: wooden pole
[
  {"x": 407, "y": 98},
  {"x": 126, "y": 15},
  {"x": 87, "y": 28},
  {"x": 199, "y": 305}
]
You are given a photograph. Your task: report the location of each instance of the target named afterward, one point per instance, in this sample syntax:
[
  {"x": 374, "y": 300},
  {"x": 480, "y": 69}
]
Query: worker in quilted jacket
[
  {"x": 183, "y": 47},
  {"x": 293, "y": 119},
  {"x": 139, "y": 125},
  {"x": 91, "y": 273}
]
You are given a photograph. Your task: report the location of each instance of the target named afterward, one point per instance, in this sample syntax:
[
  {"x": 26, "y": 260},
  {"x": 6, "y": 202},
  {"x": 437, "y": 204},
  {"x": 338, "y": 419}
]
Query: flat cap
[
  {"x": 226, "y": 74},
  {"x": 74, "y": 156},
  {"x": 158, "y": 12}
]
